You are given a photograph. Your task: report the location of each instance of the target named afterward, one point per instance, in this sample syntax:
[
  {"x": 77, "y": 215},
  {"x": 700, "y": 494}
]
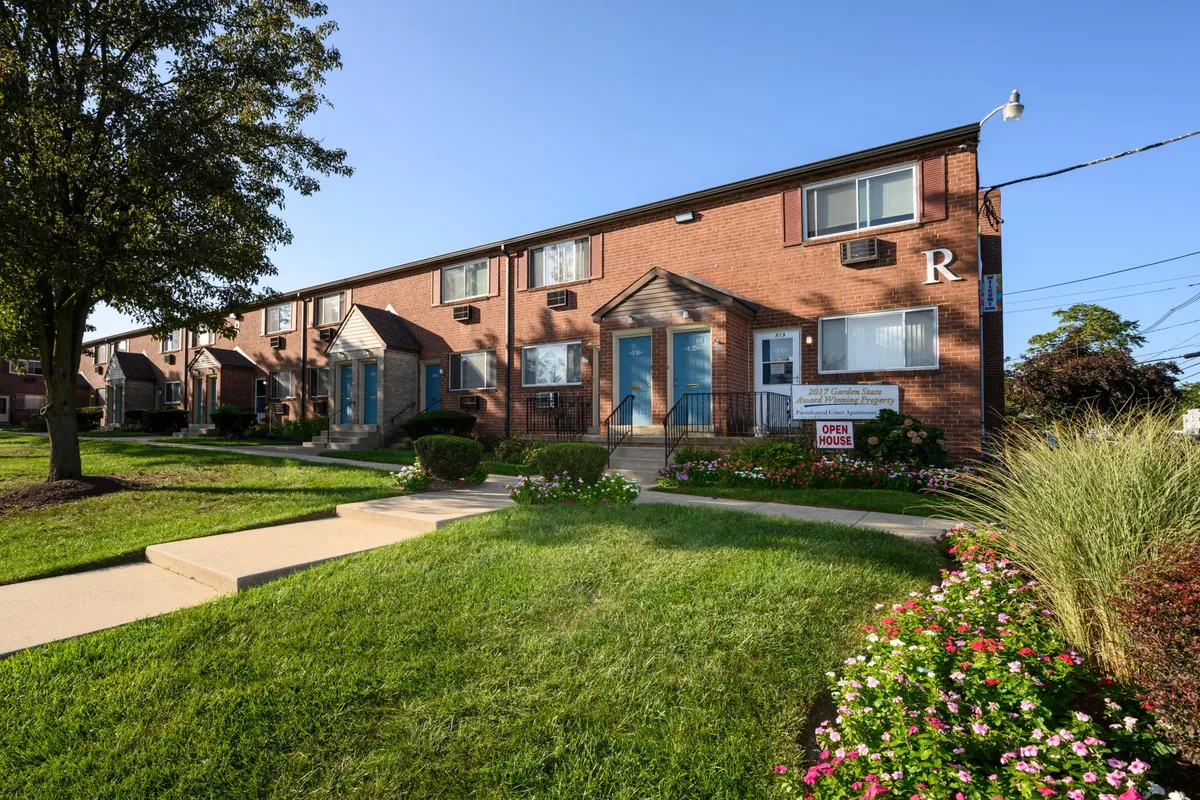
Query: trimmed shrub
[
  {"x": 902, "y": 438},
  {"x": 232, "y": 422},
  {"x": 439, "y": 423},
  {"x": 511, "y": 449},
  {"x": 163, "y": 420},
  {"x": 1162, "y": 619},
  {"x": 88, "y": 418},
  {"x": 688, "y": 455},
  {"x": 449, "y": 457},
  {"x": 133, "y": 416},
  {"x": 773, "y": 456},
  {"x": 580, "y": 460},
  {"x": 303, "y": 428}
]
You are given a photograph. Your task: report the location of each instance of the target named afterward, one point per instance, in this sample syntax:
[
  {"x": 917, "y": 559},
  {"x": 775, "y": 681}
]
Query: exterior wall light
[
  {"x": 686, "y": 314},
  {"x": 808, "y": 339},
  {"x": 686, "y": 216},
  {"x": 631, "y": 319}
]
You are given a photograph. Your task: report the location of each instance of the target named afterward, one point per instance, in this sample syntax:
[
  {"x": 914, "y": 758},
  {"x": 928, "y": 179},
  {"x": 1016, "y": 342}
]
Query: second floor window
[
  {"x": 563, "y": 262},
  {"x": 279, "y": 318},
  {"x": 475, "y": 370},
  {"x": 886, "y": 197},
  {"x": 327, "y": 310},
  {"x": 123, "y": 346},
  {"x": 23, "y": 366},
  {"x": 203, "y": 339},
  {"x": 465, "y": 281},
  {"x": 101, "y": 354},
  {"x": 170, "y": 342}
]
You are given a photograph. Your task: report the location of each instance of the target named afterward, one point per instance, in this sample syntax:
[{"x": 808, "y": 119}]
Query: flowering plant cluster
[
  {"x": 562, "y": 488},
  {"x": 836, "y": 472},
  {"x": 412, "y": 479},
  {"x": 898, "y": 437},
  {"x": 966, "y": 692}
]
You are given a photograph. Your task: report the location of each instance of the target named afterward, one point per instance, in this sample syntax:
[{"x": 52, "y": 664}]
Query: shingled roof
[{"x": 391, "y": 329}]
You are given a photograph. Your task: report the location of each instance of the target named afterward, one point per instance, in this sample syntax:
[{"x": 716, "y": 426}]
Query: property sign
[
  {"x": 835, "y": 435},
  {"x": 990, "y": 294},
  {"x": 818, "y": 401}
]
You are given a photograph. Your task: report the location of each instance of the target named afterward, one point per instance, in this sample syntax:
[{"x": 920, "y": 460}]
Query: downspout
[
  {"x": 303, "y": 356},
  {"x": 508, "y": 340},
  {"x": 979, "y": 310},
  {"x": 186, "y": 399}
]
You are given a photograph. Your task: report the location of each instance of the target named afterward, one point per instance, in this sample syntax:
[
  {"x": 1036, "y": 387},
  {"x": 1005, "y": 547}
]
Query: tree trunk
[
  {"x": 64, "y": 435},
  {"x": 61, "y": 339}
]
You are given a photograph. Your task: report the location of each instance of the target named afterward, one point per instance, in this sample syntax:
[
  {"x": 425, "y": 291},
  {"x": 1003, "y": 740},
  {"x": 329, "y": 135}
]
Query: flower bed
[
  {"x": 562, "y": 488},
  {"x": 838, "y": 472},
  {"x": 416, "y": 478},
  {"x": 966, "y": 693}
]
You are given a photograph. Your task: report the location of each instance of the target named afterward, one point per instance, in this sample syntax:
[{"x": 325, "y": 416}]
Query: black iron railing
[
  {"x": 410, "y": 407},
  {"x": 727, "y": 414},
  {"x": 619, "y": 424},
  {"x": 566, "y": 417}
]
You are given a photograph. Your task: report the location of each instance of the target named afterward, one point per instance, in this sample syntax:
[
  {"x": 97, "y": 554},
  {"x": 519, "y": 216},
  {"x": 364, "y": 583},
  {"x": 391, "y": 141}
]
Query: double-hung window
[
  {"x": 101, "y": 354},
  {"x": 327, "y": 309},
  {"x": 905, "y": 339},
  {"x": 279, "y": 318},
  {"x": 563, "y": 262},
  {"x": 465, "y": 281},
  {"x": 32, "y": 366},
  {"x": 123, "y": 346},
  {"x": 871, "y": 200},
  {"x": 318, "y": 381},
  {"x": 170, "y": 342},
  {"x": 281, "y": 385},
  {"x": 170, "y": 392},
  {"x": 203, "y": 338},
  {"x": 552, "y": 364},
  {"x": 476, "y": 370}
]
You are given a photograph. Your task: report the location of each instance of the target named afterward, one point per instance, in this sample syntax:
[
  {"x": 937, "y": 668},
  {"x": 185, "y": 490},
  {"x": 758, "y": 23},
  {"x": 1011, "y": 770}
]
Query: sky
[{"x": 468, "y": 122}]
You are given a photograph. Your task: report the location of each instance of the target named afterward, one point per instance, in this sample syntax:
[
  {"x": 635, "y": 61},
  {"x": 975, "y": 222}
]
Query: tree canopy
[
  {"x": 1088, "y": 328},
  {"x": 146, "y": 149}
]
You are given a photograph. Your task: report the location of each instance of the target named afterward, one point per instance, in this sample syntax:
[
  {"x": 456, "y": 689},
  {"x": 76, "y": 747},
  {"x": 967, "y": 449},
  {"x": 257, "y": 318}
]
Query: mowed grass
[
  {"x": 189, "y": 493},
  {"x": 884, "y": 500},
  {"x": 220, "y": 441},
  {"x": 405, "y": 457},
  {"x": 565, "y": 652}
]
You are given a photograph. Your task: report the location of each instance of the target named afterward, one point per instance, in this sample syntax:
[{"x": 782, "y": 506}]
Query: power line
[
  {"x": 1184, "y": 356},
  {"x": 1114, "y": 297},
  {"x": 1105, "y": 274},
  {"x": 1106, "y": 289},
  {"x": 1176, "y": 325},
  {"x": 1167, "y": 315},
  {"x": 1177, "y": 344},
  {"x": 1189, "y": 375}
]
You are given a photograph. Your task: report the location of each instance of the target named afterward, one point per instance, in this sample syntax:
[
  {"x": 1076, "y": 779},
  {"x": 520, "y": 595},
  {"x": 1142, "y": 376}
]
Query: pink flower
[
  {"x": 1090, "y": 777},
  {"x": 780, "y": 769},
  {"x": 964, "y": 776},
  {"x": 1130, "y": 794},
  {"x": 1080, "y": 749},
  {"x": 1138, "y": 766},
  {"x": 1075, "y": 794}
]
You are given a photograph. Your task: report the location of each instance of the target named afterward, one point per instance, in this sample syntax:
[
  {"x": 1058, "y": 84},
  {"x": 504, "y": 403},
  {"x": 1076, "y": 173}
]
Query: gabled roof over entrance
[
  {"x": 369, "y": 328},
  {"x": 125, "y": 366},
  {"x": 218, "y": 357},
  {"x": 660, "y": 290}
]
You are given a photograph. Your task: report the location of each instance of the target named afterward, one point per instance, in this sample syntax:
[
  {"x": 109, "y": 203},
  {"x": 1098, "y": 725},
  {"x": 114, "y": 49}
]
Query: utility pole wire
[
  {"x": 1105, "y": 289},
  {"x": 1102, "y": 299},
  {"x": 1105, "y": 274}
]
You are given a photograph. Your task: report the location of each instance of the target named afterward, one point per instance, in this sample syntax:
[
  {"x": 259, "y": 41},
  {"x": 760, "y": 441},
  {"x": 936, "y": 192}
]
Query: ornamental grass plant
[{"x": 1082, "y": 506}]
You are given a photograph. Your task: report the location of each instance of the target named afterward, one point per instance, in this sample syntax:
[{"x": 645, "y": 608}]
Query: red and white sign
[{"x": 835, "y": 435}]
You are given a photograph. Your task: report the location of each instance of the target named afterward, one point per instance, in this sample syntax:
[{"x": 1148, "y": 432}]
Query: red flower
[
  {"x": 1026, "y": 651},
  {"x": 991, "y": 681}
]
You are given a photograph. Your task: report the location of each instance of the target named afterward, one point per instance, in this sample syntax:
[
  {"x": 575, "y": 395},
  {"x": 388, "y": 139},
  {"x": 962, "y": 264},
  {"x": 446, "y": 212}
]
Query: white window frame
[
  {"x": 122, "y": 346},
  {"x": 39, "y": 400},
  {"x": 527, "y": 348},
  {"x": 24, "y": 366},
  {"x": 937, "y": 343},
  {"x": 587, "y": 246},
  {"x": 328, "y": 377},
  {"x": 916, "y": 183},
  {"x": 317, "y": 320},
  {"x": 291, "y": 384},
  {"x": 167, "y": 401},
  {"x": 463, "y": 266},
  {"x": 267, "y": 318},
  {"x": 489, "y": 380},
  {"x": 166, "y": 342},
  {"x": 203, "y": 339},
  {"x": 102, "y": 355}
]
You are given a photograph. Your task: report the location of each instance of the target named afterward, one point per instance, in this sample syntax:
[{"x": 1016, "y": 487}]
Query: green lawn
[
  {"x": 114, "y": 434},
  {"x": 885, "y": 500},
  {"x": 192, "y": 493},
  {"x": 219, "y": 441},
  {"x": 601, "y": 652},
  {"x": 393, "y": 456}
]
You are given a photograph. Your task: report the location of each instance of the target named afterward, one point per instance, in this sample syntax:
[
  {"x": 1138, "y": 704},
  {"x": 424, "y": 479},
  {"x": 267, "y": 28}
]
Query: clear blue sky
[{"x": 471, "y": 121}]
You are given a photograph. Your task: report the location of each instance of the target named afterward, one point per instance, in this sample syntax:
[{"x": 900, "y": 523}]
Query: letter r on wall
[{"x": 933, "y": 267}]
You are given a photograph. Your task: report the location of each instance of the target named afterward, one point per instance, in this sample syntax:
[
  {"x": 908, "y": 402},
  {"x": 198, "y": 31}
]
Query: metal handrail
[
  {"x": 413, "y": 404},
  {"x": 619, "y": 424},
  {"x": 730, "y": 414},
  {"x": 674, "y": 427},
  {"x": 566, "y": 417}
]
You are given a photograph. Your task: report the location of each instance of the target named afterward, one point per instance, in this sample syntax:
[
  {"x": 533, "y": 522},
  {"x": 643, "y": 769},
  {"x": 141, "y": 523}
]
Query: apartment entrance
[{"x": 4, "y": 408}]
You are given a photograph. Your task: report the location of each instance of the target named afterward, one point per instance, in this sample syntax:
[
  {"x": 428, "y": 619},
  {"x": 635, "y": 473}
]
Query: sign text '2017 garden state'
[{"x": 843, "y": 401}]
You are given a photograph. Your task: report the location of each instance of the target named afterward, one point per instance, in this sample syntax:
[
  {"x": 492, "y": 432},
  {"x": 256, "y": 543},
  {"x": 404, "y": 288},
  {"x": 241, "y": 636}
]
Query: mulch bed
[{"x": 44, "y": 495}]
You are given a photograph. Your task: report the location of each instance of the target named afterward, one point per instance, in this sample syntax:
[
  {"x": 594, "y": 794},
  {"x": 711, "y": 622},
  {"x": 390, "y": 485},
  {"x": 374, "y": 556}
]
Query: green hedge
[
  {"x": 88, "y": 417},
  {"x": 895, "y": 437},
  {"x": 164, "y": 420},
  {"x": 434, "y": 423},
  {"x": 449, "y": 457},
  {"x": 577, "y": 459},
  {"x": 774, "y": 456},
  {"x": 232, "y": 421}
]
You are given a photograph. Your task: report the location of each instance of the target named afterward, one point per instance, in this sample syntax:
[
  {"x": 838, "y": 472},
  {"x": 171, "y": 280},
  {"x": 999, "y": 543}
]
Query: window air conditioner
[
  {"x": 170, "y": 358},
  {"x": 468, "y": 401},
  {"x": 277, "y": 342},
  {"x": 327, "y": 334},
  {"x": 858, "y": 251},
  {"x": 462, "y": 313},
  {"x": 559, "y": 298},
  {"x": 545, "y": 400}
]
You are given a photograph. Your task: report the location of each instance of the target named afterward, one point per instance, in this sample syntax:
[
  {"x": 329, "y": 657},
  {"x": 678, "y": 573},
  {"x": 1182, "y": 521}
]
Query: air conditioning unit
[
  {"x": 469, "y": 401},
  {"x": 559, "y": 298},
  {"x": 327, "y": 334},
  {"x": 859, "y": 251},
  {"x": 278, "y": 342},
  {"x": 462, "y": 313},
  {"x": 545, "y": 400},
  {"x": 170, "y": 358},
  {"x": 320, "y": 407},
  {"x": 99, "y": 369},
  {"x": 280, "y": 409}
]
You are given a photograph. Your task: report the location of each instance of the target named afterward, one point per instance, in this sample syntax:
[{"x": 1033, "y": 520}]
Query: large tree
[
  {"x": 1086, "y": 363},
  {"x": 146, "y": 147}
]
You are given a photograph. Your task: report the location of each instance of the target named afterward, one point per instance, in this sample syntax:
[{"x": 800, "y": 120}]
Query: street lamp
[{"x": 1013, "y": 109}]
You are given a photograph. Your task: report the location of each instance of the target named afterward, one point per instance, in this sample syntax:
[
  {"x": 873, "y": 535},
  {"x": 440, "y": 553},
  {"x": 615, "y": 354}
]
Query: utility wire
[
  {"x": 1177, "y": 325},
  {"x": 994, "y": 218},
  {"x": 1184, "y": 356},
  {"x": 1167, "y": 315},
  {"x": 1105, "y": 289},
  {"x": 1178, "y": 344},
  {"x": 1105, "y": 274},
  {"x": 1114, "y": 297}
]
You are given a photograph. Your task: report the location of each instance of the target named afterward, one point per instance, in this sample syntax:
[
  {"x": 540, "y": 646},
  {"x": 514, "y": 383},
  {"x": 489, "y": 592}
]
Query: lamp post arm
[{"x": 989, "y": 116}]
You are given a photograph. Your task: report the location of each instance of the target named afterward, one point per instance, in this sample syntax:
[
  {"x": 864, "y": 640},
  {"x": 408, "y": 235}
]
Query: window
[
  {"x": 123, "y": 346},
  {"x": 23, "y": 366},
  {"x": 327, "y": 309},
  {"x": 32, "y": 402},
  {"x": 475, "y": 370},
  {"x": 101, "y": 356},
  {"x": 170, "y": 392},
  {"x": 465, "y": 281},
  {"x": 552, "y": 364},
  {"x": 559, "y": 263},
  {"x": 281, "y": 385},
  {"x": 318, "y": 381},
  {"x": 203, "y": 338},
  {"x": 868, "y": 342},
  {"x": 170, "y": 342},
  {"x": 887, "y": 197},
  {"x": 279, "y": 318}
]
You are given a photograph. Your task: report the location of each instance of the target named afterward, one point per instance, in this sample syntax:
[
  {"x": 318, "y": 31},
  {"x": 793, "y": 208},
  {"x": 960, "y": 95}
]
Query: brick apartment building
[{"x": 860, "y": 270}]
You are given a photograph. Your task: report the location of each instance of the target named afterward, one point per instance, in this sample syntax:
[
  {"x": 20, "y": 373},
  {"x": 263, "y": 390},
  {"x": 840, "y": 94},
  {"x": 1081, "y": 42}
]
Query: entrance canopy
[{"x": 660, "y": 290}]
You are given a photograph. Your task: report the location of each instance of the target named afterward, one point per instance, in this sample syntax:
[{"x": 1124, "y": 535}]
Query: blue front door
[
  {"x": 691, "y": 361},
  {"x": 370, "y": 415},
  {"x": 346, "y": 393},
  {"x": 633, "y": 357},
  {"x": 433, "y": 386}
]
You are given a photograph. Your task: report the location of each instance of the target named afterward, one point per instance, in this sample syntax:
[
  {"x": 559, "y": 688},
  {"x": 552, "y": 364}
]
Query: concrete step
[
  {"x": 421, "y": 513},
  {"x": 349, "y": 446},
  {"x": 646, "y": 478}
]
